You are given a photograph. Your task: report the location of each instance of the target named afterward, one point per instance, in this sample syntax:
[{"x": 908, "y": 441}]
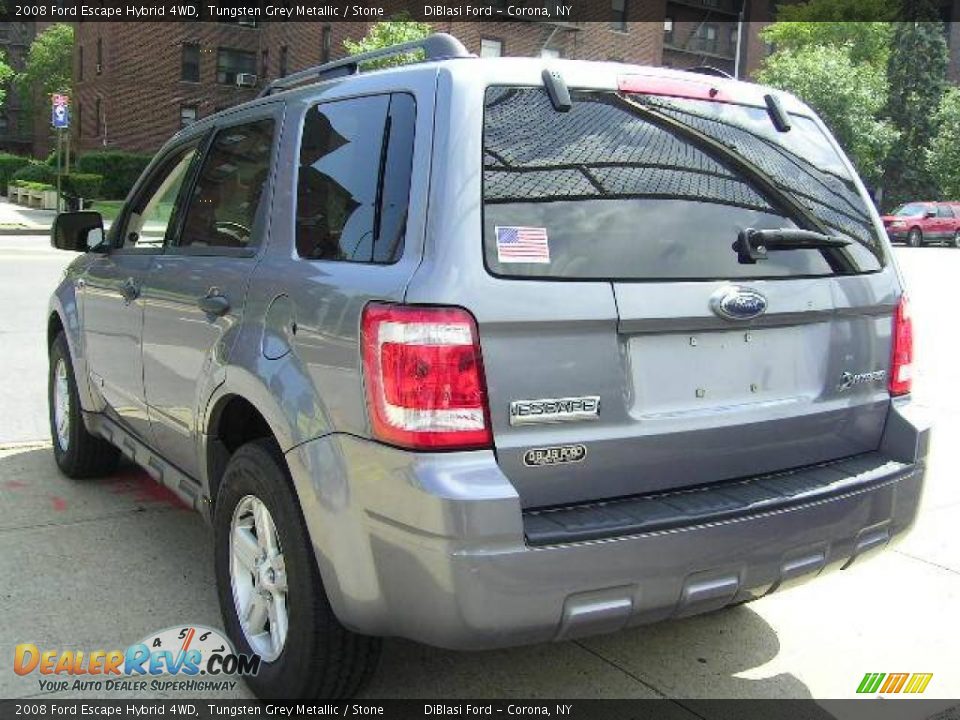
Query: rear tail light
[
  {"x": 424, "y": 377},
  {"x": 901, "y": 368}
]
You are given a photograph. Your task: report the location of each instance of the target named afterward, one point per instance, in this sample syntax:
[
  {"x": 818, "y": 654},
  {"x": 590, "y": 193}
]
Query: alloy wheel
[{"x": 258, "y": 578}]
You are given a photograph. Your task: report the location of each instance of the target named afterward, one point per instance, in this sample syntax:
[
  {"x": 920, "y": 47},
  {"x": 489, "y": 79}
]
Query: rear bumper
[{"x": 433, "y": 547}]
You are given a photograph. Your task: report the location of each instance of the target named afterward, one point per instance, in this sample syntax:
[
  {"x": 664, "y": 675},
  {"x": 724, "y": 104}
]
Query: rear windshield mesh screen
[{"x": 601, "y": 193}]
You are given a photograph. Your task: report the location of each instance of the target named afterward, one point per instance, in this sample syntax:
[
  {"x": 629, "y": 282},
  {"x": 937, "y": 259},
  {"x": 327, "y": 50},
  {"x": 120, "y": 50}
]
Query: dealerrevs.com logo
[{"x": 190, "y": 658}]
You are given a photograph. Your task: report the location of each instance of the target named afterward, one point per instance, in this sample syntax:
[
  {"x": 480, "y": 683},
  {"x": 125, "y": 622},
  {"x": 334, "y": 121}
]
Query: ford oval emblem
[{"x": 738, "y": 303}]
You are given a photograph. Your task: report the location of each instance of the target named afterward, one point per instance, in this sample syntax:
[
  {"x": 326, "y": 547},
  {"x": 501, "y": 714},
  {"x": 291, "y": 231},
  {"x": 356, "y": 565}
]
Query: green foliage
[
  {"x": 27, "y": 184},
  {"x": 6, "y": 74},
  {"x": 36, "y": 172},
  {"x": 48, "y": 69},
  {"x": 387, "y": 33},
  {"x": 118, "y": 169},
  {"x": 850, "y": 97},
  {"x": 861, "y": 25},
  {"x": 917, "y": 80},
  {"x": 943, "y": 156},
  {"x": 9, "y": 164},
  {"x": 85, "y": 185}
]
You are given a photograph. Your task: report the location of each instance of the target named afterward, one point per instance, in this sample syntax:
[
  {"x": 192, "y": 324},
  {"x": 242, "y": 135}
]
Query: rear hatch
[{"x": 710, "y": 367}]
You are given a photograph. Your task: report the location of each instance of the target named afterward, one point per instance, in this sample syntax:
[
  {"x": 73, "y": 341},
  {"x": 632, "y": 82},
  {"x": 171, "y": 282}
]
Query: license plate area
[{"x": 699, "y": 372}]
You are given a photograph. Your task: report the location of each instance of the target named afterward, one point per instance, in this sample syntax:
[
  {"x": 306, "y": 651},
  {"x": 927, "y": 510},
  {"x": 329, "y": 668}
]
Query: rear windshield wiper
[
  {"x": 838, "y": 259},
  {"x": 753, "y": 245}
]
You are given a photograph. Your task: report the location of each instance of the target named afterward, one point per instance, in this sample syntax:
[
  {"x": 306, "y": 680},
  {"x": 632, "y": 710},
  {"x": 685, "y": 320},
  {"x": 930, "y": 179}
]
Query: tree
[
  {"x": 862, "y": 25},
  {"x": 943, "y": 156},
  {"x": 387, "y": 33},
  {"x": 848, "y": 96},
  {"x": 916, "y": 71},
  {"x": 6, "y": 74},
  {"x": 48, "y": 68}
]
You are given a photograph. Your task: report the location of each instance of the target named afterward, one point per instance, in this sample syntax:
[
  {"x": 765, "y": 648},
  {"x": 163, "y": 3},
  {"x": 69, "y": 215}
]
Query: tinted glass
[
  {"x": 600, "y": 193},
  {"x": 154, "y": 207},
  {"x": 944, "y": 211},
  {"x": 228, "y": 194},
  {"x": 910, "y": 210},
  {"x": 354, "y": 179}
]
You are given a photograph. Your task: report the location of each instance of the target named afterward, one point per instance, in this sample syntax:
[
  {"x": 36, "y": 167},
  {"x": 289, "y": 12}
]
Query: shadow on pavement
[{"x": 131, "y": 560}]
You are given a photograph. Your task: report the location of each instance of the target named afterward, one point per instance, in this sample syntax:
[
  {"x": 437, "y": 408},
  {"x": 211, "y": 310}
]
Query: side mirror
[
  {"x": 930, "y": 213},
  {"x": 78, "y": 231}
]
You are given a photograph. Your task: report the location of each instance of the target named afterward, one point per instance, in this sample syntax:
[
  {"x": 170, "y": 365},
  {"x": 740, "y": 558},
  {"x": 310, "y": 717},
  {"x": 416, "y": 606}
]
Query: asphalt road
[{"x": 99, "y": 565}]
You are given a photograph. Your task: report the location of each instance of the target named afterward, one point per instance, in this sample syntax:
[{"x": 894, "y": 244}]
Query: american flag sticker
[{"x": 522, "y": 245}]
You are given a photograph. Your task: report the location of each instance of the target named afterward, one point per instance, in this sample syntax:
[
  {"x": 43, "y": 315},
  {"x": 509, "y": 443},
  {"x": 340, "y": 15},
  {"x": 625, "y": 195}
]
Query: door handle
[
  {"x": 129, "y": 290},
  {"x": 213, "y": 303}
]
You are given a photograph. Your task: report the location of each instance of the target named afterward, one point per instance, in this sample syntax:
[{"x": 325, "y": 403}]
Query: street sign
[{"x": 60, "y": 115}]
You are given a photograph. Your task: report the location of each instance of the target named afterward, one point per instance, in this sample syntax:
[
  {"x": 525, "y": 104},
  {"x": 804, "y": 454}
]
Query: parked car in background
[{"x": 921, "y": 223}]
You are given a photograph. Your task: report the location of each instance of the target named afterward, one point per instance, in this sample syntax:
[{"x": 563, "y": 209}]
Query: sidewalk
[{"x": 19, "y": 220}]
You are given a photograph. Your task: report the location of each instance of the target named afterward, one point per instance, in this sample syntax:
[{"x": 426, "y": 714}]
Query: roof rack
[
  {"x": 438, "y": 46},
  {"x": 709, "y": 70}
]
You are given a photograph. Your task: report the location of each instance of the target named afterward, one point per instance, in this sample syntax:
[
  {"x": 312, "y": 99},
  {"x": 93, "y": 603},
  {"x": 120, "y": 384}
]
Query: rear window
[{"x": 601, "y": 193}]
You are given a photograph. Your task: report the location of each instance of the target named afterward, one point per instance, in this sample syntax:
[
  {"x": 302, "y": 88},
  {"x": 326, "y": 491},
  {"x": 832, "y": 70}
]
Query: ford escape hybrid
[{"x": 490, "y": 352}]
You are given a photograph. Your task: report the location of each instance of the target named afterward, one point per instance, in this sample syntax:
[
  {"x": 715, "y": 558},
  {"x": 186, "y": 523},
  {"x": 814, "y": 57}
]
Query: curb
[{"x": 38, "y": 230}]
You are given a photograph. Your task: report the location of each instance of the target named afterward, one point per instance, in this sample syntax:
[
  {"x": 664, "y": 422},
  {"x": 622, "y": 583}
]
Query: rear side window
[
  {"x": 599, "y": 192},
  {"x": 353, "y": 184},
  {"x": 944, "y": 211},
  {"x": 226, "y": 199}
]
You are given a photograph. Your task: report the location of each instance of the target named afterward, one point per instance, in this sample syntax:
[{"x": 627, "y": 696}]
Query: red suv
[{"x": 918, "y": 223}]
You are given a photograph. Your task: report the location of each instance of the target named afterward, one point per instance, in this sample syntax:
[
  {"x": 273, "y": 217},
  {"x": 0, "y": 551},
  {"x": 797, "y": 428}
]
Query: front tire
[
  {"x": 78, "y": 453},
  {"x": 956, "y": 239},
  {"x": 271, "y": 595},
  {"x": 915, "y": 238}
]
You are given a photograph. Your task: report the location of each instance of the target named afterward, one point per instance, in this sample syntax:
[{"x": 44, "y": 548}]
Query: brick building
[{"x": 136, "y": 83}]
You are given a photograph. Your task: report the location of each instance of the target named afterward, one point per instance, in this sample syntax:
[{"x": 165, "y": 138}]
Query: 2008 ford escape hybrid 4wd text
[{"x": 491, "y": 352}]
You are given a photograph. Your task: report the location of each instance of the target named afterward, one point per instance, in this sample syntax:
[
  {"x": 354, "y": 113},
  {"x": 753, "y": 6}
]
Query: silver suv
[{"x": 490, "y": 352}]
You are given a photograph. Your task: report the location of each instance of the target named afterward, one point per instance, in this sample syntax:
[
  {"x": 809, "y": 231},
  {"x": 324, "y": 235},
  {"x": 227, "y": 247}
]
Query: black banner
[{"x": 257, "y": 11}]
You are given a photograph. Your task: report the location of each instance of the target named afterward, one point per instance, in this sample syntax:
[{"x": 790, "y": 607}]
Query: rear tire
[
  {"x": 257, "y": 510},
  {"x": 915, "y": 238},
  {"x": 78, "y": 453},
  {"x": 956, "y": 239}
]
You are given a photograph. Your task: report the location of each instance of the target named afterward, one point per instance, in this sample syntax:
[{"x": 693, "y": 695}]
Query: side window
[
  {"x": 353, "y": 184},
  {"x": 944, "y": 211},
  {"x": 153, "y": 208},
  {"x": 225, "y": 201}
]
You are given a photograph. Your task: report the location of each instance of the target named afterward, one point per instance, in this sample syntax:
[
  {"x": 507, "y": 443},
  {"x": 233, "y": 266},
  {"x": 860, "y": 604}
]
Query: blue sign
[{"x": 60, "y": 117}]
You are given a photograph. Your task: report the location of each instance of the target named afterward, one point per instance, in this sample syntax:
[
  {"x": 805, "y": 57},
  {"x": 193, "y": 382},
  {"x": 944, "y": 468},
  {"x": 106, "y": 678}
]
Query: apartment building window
[
  {"x": 99, "y": 55},
  {"x": 733, "y": 39},
  {"x": 283, "y": 61},
  {"x": 618, "y": 15},
  {"x": 325, "y": 39},
  {"x": 491, "y": 48},
  {"x": 190, "y": 63},
  {"x": 668, "y": 31},
  {"x": 80, "y": 62},
  {"x": 549, "y": 53},
  {"x": 232, "y": 62},
  {"x": 188, "y": 115},
  {"x": 706, "y": 38}
]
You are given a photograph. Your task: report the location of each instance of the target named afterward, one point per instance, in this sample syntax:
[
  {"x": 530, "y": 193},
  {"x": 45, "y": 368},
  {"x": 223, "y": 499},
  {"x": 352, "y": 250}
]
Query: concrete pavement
[
  {"x": 100, "y": 564},
  {"x": 16, "y": 219}
]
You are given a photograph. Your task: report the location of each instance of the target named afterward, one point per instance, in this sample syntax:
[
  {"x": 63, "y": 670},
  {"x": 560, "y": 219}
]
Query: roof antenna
[
  {"x": 781, "y": 121},
  {"x": 557, "y": 90}
]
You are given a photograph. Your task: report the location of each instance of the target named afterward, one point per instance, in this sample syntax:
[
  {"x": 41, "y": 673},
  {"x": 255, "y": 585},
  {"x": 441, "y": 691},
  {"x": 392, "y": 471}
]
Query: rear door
[
  {"x": 711, "y": 368},
  {"x": 194, "y": 296}
]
